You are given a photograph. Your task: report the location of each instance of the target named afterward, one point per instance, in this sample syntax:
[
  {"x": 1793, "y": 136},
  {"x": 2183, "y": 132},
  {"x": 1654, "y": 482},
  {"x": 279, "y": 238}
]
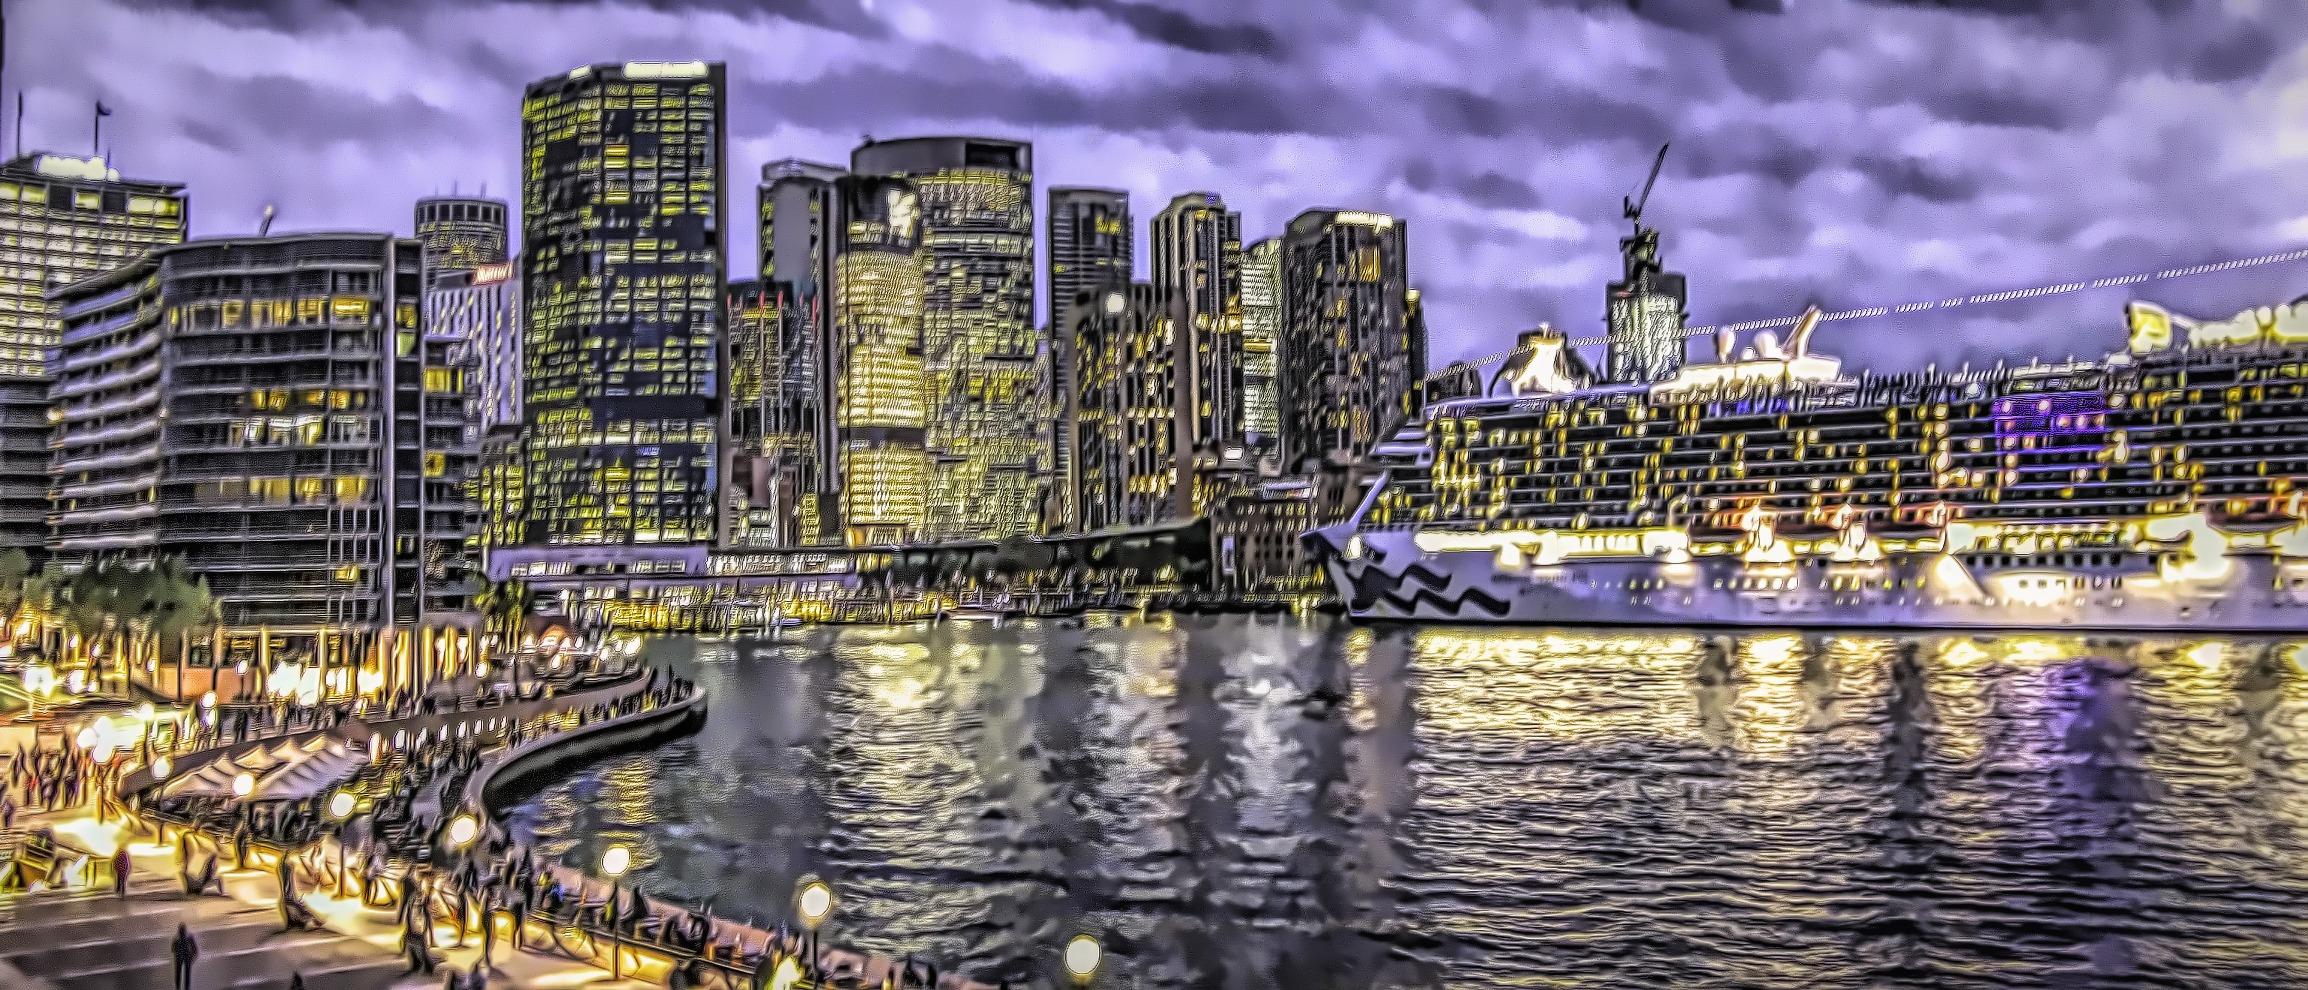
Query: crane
[{"x": 1634, "y": 205}]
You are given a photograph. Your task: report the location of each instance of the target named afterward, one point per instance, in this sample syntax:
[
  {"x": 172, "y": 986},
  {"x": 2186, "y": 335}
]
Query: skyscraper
[
  {"x": 62, "y": 219},
  {"x": 460, "y": 233},
  {"x": 1261, "y": 326},
  {"x": 980, "y": 350},
  {"x": 774, "y": 412},
  {"x": 801, "y": 227},
  {"x": 1350, "y": 351},
  {"x": 1197, "y": 249},
  {"x": 480, "y": 310},
  {"x": 1090, "y": 247},
  {"x": 1129, "y": 466},
  {"x": 882, "y": 404},
  {"x": 624, "y": 267}
]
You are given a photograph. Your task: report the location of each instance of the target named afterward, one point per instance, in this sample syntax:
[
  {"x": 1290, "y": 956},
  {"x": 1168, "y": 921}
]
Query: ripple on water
[{"x": 1261, "y": 803}]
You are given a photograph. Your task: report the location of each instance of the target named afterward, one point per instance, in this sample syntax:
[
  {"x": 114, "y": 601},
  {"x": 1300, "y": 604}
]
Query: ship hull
[{"x": 1394, "y": 581}]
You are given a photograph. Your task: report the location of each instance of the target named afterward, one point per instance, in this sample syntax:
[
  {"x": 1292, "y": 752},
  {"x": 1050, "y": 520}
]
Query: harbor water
[{"x": 1251, "y": 802}]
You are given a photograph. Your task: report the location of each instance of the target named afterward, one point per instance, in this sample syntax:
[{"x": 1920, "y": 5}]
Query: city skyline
[{"x": 1806, "y": 167}]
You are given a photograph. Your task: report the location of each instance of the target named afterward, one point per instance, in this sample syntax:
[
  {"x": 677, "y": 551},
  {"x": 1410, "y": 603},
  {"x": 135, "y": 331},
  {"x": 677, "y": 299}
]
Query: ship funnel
[{"x": 1799, "y": 344}]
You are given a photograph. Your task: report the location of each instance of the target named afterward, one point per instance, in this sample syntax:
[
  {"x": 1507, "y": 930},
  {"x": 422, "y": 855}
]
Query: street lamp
[
  {"x": 614, "y": 863},
  {"x": 1082, "y": 957},
  {"x": 341, "y": 805},
  {"x": 815, "y": 902},
  {"x": 462, "y": 831},
  {"x": 159, "y": 769},
  {"x": 242, "y": 785}
]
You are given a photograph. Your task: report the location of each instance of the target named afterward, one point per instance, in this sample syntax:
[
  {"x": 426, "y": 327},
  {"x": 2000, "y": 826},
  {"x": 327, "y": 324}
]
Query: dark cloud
[
  {"x": 1863, "y": 152},
  {"x": 1910, "y": 176},
  {"x": 1180, "y": 30}
]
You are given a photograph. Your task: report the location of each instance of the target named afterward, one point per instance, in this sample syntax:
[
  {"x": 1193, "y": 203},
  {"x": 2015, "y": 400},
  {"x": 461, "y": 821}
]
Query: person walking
[
  {"x": 420, "y": 955},
  {"x": 120, "y": 868},
  {"x": 184, "y": 951}
]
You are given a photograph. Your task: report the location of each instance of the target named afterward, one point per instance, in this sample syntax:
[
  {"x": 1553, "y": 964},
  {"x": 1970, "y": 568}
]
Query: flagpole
[{"x": 96, "y": 141}]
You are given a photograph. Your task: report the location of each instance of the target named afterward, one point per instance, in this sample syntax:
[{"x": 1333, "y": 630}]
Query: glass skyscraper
[
  {"x": 1261, "y": 325},
  {"x": 1197, "y": 248},
  {"x": 881, "y": 405},
  {"x": 1091, "y": 243},
  {"x": 982, "y": 355},
  {"x": 1350, "y": 349},
  {"x": 624, "y": 269}
]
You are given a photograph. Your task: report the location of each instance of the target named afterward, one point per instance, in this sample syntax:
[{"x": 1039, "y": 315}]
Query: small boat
[{"x": 992, "y": 615}]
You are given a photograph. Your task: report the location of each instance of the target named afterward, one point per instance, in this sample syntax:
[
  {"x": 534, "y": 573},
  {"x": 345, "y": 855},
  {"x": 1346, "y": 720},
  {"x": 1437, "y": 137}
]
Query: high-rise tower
[
  {"x": 801, "y": 231},
  {"x": 881, "y": 404},
  {"x": 1349, "y": 351},
  {"x": 1261, "y": 325},
  {"x": 981, "y": 350},
  {"x": 1091, "y": 246},
  {"x": 624, "y": 265},
  {"x": 1196, "y": 244}
]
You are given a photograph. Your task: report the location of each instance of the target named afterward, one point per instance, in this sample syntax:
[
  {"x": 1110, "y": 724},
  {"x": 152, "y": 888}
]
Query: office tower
[
  {"x": 62, "y": 219},
  {"x": 1349, "y": 354},
  {"x": 1197, "y": 249},
  {"x": 460, "y": 233},
  {"x": 882, "y": 404},
  {"x": 774, "y": 413},
  {"x": 269, "y": 411},
  {"x": 985, "y": 436},
  {"x": 1261, "y": 325},
  {"x": 623, "y": 266},
  {"x": 1644, "y": 311},
  {"x": 1130, "y": 468},
  {"x": 800, "y": 227},
  {"x": 1090, "y": 239}
]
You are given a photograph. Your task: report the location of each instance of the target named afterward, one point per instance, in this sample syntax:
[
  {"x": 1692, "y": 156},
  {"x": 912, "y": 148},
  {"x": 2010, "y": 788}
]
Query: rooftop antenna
[
  {"x": 1634, "y": 207},
  {"x": 264, "y": 227}
]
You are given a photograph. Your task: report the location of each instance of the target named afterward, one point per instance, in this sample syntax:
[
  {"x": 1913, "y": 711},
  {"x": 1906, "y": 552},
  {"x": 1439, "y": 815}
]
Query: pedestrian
[
  {"x": 184, "y": 951},
  {"x": 296, "y": 981},
  {"x": 419, "y": 954},
  {"x": 120, "y": 867}
]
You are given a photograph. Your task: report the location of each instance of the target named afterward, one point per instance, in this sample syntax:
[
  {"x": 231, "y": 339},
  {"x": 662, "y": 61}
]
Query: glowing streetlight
[
  {"x": 159, "y": 769},
  {"x": 242, "y": 785},
  {"x": 462, "y": 831},
  {"x": 1082, "y": 957},
  {"x": 87, "y": 738},
  {"x": 341, "y": 805},
  {"x": 614, "y": 863},
  {"x": 816, "y": 902}
]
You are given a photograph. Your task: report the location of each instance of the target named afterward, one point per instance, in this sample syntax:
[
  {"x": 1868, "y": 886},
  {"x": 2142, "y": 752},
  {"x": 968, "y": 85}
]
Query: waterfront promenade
[{"x": 560, "y": 933}]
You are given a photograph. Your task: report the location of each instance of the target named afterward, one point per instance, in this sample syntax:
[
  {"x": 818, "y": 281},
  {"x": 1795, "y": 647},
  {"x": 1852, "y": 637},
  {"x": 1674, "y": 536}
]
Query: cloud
[{"x": 1863, "y": 152}]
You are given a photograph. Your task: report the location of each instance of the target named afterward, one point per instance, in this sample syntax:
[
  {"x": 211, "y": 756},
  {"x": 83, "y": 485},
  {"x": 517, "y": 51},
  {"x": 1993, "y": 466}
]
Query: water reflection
[{"x": 1259, "y": 803}]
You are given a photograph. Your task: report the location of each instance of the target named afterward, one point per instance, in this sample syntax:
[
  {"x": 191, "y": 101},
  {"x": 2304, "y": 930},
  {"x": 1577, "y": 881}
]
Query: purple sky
[{"x": 1849, "y": 152}]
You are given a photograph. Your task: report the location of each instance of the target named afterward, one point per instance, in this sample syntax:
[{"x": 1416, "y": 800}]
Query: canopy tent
[{"x": 286, "y": 771}]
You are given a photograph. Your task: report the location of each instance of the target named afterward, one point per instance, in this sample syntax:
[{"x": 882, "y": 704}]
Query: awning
[{"x": 285, "y": 771}]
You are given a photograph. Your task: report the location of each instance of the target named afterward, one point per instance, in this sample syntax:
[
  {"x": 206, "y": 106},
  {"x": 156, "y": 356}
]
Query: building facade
[
  {"x": 1261, "y": 327},
  {"x": 1644, "y": 311},
  {"x": 62, "y": 219},
  {"x": 1091, "y": 245},
  {"x": 980, "y": 352},
  {"x": 480, "y": 310},
  {"x": 801, "y": 226},
  {"x": 623, "y": 267},
  {"x": 461, "y": 233},
  {"x": 1350, "y": 352},
  {"x": 882, "y": 404},
  {"x": 775, "y": 417},
  {"x": 1130, "y": 467},
  {"x": 271, "y": 412},
  {"x": 1196, "y": 243}
]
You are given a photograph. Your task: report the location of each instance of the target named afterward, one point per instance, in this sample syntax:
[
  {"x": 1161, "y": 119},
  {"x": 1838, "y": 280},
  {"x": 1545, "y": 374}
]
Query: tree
[
  {"x": 505, "y": 606},
  {"x": 15, "y": 571}
]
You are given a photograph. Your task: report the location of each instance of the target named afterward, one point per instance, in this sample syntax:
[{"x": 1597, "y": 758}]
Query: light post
[
  {"x": 1082, "y": 957},
  {"x": 815, "y": 902},
  {"x": 341, "y": 807},
  {"x": 614, "y": 863}
]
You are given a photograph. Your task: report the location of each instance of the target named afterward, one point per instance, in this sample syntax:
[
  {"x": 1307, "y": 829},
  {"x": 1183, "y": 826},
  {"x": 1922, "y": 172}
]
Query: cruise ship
[{"x": 2157, "y": 488}]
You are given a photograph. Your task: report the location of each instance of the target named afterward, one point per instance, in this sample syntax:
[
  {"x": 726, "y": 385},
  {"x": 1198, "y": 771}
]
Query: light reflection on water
[{"x": 1233, "y": 802}]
